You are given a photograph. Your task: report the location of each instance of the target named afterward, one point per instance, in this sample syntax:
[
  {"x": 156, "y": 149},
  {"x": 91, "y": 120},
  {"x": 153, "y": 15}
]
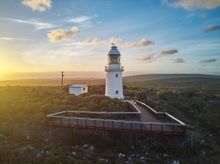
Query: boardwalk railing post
[
  {"x": 141, "y": 127},
  {"x": 103, "y": 125},
  {"x": 172, "y": 129},
  {"x": 112, "y": 125}
]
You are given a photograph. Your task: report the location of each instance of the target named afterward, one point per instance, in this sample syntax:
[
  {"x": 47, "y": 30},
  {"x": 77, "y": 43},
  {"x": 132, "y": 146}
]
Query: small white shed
[{"x": 78, "y": 89}]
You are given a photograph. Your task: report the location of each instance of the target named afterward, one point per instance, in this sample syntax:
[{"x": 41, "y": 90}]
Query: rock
[
  {"x": 142, "y": 158},
  {"x": 31, "y": 147},
  {"x": 202, "y": 141},
  {"x": 91, "y": 147},
  {"x": 24, "y": 148},
  {"x": 74, "y": 153},
  {"x": 101, "y": 159},
  {"x": 175, "y": 162},
  {"x": 121, "y": 155},
  {"x": 38, "y": 155},
  {"x": 85, "y": 146},
  {"x": 2, "y": 136},
  {"x": 165, "y": 155},
  {"x": 76, "y": 146}
]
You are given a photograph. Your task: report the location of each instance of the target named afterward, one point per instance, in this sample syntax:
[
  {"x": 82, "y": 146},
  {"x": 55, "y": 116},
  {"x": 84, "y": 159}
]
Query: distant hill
[
  {"x": 51, "y": 82},
  {"x": 173, "y": 81},
  {"x": 145, "y": 81}
]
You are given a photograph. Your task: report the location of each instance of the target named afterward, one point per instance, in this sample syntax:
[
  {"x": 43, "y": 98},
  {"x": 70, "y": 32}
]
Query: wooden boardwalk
[
  {"x": 150, "y": 122},
  {"x": 146, "y": 115}
]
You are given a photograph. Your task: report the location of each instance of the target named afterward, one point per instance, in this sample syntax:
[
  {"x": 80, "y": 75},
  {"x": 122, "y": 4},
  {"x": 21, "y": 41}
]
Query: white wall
[
  {"x": 114, "y": 83},
  {"x": 77, "y": 90}
]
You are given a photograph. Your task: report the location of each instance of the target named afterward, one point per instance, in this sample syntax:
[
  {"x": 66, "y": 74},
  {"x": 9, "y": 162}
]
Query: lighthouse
[{"x": 113, "y": 80}]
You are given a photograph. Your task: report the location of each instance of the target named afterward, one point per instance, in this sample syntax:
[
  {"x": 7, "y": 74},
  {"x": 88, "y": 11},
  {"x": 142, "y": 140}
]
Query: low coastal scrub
[{"x": 19, "y": 104}]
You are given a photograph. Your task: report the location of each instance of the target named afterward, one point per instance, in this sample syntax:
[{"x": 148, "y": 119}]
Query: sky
[{"x": 159, "y": 36}]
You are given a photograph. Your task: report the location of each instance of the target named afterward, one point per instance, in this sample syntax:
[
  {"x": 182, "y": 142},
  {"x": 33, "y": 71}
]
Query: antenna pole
[{"x": 62, "y": 75}]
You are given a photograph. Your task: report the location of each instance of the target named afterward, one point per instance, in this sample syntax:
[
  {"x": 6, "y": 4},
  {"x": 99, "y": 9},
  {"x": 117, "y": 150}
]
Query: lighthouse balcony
[{"x": 109, "y": 68}]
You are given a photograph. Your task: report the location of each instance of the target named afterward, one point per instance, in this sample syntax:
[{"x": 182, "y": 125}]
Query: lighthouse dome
[{"x": 114, "y": 51}]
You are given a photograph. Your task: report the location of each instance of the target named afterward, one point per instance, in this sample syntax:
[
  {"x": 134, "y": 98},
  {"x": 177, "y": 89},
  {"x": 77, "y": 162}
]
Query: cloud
[
  {"x": 208, "y": 61},
  {"x": 12, "y": 39},
  {"x": 193, "y": 4},
  {"x": 60, "y": 34},
  {"x": 83, "y": 21},
  {"x": 92, "y": 41},
  {"x": 38, "y": 5},
  {"x": 38, "y": 25},
  {"x": 178, "y": 60},
  {"x": 80, "y": 19},
  {"x": 168, "y": 52},
  {"x": 115, "y": 41},
  {"x": 212, "y": 28},
  {"x": 154, "y": 57},
  {"x": 140, "y": 44},
  {"x": 147, "y": 58}
]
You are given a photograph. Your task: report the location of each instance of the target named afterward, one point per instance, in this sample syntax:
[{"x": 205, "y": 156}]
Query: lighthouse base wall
[{"x": 114, "y": 85}]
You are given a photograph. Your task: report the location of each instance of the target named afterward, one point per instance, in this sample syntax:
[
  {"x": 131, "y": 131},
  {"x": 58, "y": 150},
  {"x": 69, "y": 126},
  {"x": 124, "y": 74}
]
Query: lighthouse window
[
  {"x": 116, "y": 91},
  {"x": 116, "y": 75}
]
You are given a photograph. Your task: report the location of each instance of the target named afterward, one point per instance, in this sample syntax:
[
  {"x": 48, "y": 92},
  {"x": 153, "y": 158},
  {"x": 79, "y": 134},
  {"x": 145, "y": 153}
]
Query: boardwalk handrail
[
  {"x": 92, "y": 112},
  {"x": 175, "y": 119},
  {"x": 117, "y": 125},
  {"x": 175, "y": 127},
  {"x": 147, "y": 106},
  {"x": 119, "y": 121},
  {"x": 169, "y": 116},
  {"x": 98, "y": 113}
]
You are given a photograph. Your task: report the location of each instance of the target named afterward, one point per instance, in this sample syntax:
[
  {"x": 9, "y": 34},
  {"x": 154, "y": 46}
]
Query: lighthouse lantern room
[{"x": 114, "y": 85}]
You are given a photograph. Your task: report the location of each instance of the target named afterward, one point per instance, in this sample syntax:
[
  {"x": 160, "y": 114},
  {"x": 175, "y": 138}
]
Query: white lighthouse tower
[{"x": 113, "y": 84}]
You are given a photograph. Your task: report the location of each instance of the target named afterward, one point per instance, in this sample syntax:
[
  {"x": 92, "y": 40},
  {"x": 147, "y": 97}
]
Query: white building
[
  {"x": 78, "y": 89},
  {"x": 114, "y": 85}
]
